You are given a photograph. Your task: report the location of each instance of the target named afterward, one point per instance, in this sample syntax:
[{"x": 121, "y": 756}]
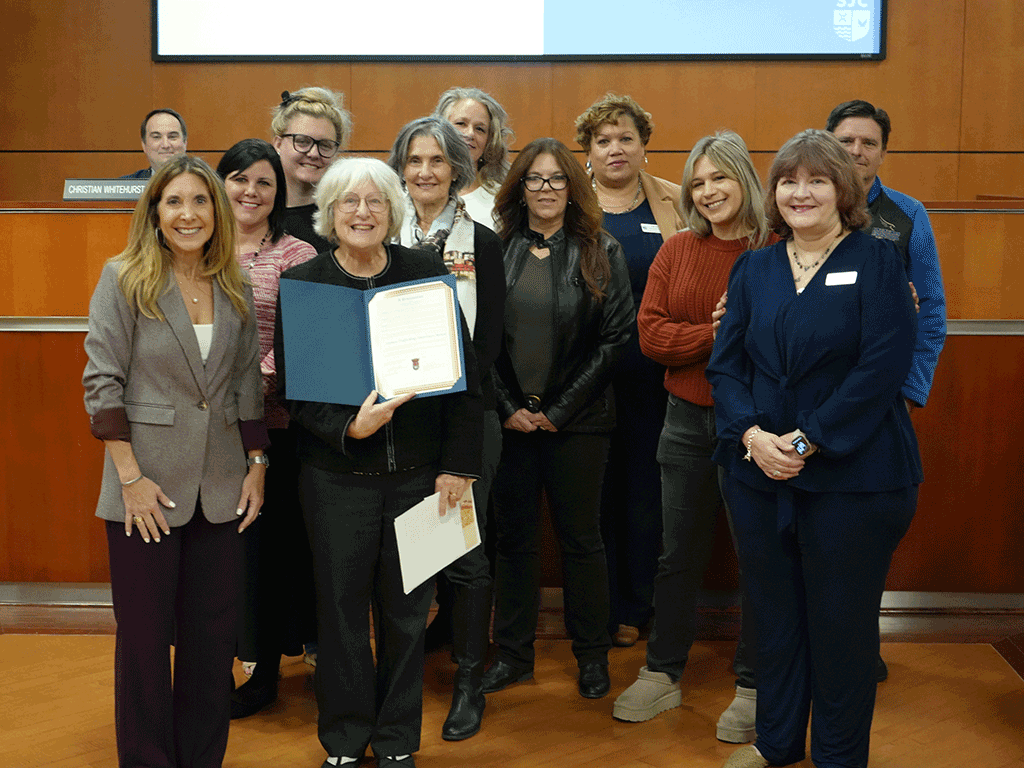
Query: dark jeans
[
  {"x": 815, "y": 589},
  {"x": 279, "y": 608},
  {"x": 570, "y": 467},
  {"x": 350, "y": 519},
  {"x": 691, "y": 500},
  {"x": 631, "y": 500},
  {"x": 183, "y": 591}
]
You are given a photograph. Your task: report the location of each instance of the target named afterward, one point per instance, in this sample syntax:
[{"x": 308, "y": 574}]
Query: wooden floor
[{"x": 945, "y": 705}]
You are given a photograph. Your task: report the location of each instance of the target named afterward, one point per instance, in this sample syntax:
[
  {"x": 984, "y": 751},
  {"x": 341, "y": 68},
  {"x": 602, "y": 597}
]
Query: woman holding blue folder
[{"x": 363, "y": 466}]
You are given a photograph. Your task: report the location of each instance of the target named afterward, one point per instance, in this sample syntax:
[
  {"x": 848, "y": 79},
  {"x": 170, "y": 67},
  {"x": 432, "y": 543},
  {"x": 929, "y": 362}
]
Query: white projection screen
[{"x": 523, "y": 30}]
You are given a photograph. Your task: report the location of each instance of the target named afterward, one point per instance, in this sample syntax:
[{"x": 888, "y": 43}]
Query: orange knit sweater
[{"x": 687, "y": 278}]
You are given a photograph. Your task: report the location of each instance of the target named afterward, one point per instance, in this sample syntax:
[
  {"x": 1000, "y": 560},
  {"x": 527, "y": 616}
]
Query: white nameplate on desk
[{"x": 104, "y": 189}]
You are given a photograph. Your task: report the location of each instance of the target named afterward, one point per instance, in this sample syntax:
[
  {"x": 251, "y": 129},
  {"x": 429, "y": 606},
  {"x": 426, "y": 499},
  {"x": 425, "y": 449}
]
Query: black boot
[
  {"x": 471, "y": 622},
  {"x": 259, "y": 691}
]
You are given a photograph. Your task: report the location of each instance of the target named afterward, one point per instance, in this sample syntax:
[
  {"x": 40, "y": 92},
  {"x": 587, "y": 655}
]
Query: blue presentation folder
[{"x": 327, "y": 341}]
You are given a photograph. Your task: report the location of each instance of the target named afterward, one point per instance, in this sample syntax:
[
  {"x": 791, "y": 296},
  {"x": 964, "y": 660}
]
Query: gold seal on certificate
[
  {"x": 414, "y": 339},
  {"x": 343, "y": 342}
]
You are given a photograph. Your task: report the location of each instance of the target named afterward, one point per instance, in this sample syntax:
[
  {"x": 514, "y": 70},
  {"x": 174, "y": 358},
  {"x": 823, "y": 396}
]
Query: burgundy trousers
[{"x": 183, "y": 591}]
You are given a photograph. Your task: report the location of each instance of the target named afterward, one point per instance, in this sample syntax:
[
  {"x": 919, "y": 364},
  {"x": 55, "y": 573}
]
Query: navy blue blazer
[{"x": 831, "y": 361}]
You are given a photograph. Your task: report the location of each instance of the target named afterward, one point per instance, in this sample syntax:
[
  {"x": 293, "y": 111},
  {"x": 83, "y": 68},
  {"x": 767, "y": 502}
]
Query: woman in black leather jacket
[{"x": 568, "y": 316}]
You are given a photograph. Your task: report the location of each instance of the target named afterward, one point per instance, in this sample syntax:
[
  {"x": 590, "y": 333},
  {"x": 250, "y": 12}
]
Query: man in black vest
[{"x": 864, "y": 130}]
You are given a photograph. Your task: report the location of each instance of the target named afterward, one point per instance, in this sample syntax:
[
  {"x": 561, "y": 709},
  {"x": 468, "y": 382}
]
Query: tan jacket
[
  {"x": 183, "y": 415},
  {"x": 664, "y": 199}
]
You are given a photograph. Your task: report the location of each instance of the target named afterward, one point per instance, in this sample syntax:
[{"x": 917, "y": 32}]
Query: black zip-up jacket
[
  {"x": 446, "y": 430},
  {"x": 590, "y": 338}
]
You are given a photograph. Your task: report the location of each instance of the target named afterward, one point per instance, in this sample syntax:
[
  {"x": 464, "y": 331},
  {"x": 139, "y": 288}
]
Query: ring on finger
[
  {"x": 776, "y": 473},
  {"x": 137, "y": 519}
]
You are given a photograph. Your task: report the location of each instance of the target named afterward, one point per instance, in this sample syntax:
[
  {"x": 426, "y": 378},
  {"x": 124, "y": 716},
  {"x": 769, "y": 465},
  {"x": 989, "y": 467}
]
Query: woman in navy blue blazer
[{"x": 821, "y": 458}]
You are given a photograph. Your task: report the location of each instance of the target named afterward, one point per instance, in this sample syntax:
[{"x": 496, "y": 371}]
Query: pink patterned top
[{"x": 264, "y": 269}]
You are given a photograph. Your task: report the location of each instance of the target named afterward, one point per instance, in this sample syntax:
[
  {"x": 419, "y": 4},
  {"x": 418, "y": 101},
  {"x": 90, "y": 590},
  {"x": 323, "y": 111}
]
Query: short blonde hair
[
  {"x": 313, "y": 102},
  {"x": 344, "y": 176}
]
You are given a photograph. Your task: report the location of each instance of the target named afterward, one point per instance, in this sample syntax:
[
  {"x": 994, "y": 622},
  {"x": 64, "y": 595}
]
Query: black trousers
[
  {"x": 184, "y": 590},
  {"x": 355, "y": 562},
  {"x": 473, "y": 569},
  {"x": 631, "y": 516},
  {"x": 570, "y": 467},
  {"x": 278, "y": 610}
]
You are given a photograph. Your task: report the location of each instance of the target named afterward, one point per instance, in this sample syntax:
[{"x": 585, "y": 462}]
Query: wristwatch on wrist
[{"x": 263, "y": 459}]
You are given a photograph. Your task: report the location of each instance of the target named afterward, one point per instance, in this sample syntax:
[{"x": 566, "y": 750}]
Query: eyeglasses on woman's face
[
  {"x": 351, "y": 203},
  {"x": 303, "y": 143},
  {"x": 535, "y": 183}
]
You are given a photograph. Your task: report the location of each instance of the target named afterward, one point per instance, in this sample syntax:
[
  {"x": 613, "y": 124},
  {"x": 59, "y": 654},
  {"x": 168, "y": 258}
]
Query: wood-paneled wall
[
  {"x": 78, "y": 78},
  {"x": 52, "y": 260},
  {"x": 966, "y": 537}
]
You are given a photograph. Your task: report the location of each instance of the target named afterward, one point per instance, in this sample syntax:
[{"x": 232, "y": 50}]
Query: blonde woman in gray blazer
[{"x": 173, "y": 388}]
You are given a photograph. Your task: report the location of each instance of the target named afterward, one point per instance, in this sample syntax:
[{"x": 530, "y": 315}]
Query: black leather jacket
[{"x": 589, "y": 340}]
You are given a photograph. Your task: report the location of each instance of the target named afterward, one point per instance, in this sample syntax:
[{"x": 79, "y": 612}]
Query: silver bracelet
[
  {"x": 132, "y": 482},
  {"x": 750, "y": 442}
]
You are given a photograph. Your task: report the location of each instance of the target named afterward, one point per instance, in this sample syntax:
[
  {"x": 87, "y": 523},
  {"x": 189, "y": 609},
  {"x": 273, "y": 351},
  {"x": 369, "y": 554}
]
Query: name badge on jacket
[
  {"x": 840, "y": 278},
  {"x": 650, "y": 229}
]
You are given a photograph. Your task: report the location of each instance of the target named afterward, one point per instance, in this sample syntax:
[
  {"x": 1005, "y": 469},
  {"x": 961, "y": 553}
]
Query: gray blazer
[{"x": 183, "y": 416}]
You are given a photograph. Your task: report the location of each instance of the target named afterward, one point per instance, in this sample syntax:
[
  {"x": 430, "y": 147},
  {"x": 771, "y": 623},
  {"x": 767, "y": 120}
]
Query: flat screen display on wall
[{"x": 522, "y": 30}]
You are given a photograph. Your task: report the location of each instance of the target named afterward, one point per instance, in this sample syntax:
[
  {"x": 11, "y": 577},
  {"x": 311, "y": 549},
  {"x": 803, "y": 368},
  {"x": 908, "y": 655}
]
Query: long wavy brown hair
[{"x": 582, "y": 214}]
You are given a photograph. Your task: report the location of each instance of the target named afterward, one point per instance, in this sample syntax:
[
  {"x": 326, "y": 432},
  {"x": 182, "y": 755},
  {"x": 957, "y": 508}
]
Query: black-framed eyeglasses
[
  {"x": 304, "y": 143},
  {"x": 558, "y": 182}
]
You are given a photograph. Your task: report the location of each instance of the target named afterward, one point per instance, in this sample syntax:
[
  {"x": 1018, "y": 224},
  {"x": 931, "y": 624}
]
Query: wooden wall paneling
[
  {"x": 224, "y": 102},
  {"x": 966, "y": 536},
  {"x": 39, "y": 176},
  {"x": 982, "y": 256},
  {"x": 926, "y": 176},
  {"x": 664, "y": 165},
  {"x": 990, "y": 174},
  {"x": 923, "y": 175},
  {"x": 992, "y": 108},
  {"x": 918, "y": 84},
  {"x": 968, "y": 530},
  {"x": 53, "y": 260},
  {"x": 50, "y": 474},
  {"x": 686, "y": 99},
  {"x": 385, "y": 96},
  {"x": 76, "y": 75}
]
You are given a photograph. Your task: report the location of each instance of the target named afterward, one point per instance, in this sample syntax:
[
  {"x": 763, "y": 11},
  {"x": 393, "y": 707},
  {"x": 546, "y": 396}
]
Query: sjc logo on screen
[{"x": 849, "y": 22}]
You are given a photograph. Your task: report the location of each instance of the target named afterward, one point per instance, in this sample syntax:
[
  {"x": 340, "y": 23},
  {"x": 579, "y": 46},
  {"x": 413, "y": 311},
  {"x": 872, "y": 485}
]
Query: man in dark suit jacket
[{"x": 164, "y": 135}]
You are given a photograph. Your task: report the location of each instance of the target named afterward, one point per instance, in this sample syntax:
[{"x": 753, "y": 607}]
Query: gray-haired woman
[
  {"x": 360, "y": 469},
  {"x": 435, "y": 164},
  {"x": 483, "y": 124}
]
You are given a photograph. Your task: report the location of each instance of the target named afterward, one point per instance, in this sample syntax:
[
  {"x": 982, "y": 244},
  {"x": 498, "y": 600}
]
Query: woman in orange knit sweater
[{"x": 723, "y": 205}]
